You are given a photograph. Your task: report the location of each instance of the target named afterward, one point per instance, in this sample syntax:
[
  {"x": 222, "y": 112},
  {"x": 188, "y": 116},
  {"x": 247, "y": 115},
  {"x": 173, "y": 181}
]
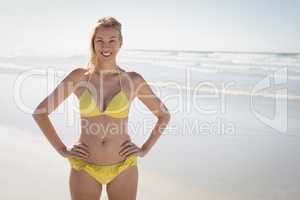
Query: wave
[
  {"x": 235, "y": 92},
  {"x": 11, "y": 68}
]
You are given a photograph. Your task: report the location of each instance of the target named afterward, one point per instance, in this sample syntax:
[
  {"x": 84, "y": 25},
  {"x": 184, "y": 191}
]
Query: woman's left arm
[{"x": 144, "y": 92}]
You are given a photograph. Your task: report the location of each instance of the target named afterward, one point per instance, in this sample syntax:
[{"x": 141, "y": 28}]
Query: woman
[{"x": 104, "y": 153}]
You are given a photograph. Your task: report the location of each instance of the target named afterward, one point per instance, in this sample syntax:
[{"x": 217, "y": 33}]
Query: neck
[{"x": 108, "y": 66}]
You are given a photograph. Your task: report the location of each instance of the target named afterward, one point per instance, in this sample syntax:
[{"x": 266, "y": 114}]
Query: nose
[{"x": 105, "y": 45}]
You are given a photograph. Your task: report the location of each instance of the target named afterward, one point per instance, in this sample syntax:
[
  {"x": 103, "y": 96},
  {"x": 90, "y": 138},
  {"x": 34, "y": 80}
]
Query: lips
[{"x": 106, "y": 54}]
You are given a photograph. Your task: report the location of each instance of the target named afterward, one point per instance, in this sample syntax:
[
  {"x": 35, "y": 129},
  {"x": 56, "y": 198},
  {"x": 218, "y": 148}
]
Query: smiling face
[{"x": 106, "y": 43}]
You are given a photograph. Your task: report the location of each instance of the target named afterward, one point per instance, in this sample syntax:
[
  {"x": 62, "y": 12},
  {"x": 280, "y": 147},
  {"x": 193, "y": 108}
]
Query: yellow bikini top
[{"x": 118, "y": 107}]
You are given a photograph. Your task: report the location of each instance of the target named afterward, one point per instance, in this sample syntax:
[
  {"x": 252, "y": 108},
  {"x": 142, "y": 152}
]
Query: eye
[{"x": 111, "y": 41}]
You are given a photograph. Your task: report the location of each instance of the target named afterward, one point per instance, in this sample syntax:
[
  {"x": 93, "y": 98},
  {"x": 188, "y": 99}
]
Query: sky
[{"x": 64, "y": 27}]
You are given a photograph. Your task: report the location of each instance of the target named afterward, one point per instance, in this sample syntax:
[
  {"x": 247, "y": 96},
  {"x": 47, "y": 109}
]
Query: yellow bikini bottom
[{"x": 103, "y": 173}]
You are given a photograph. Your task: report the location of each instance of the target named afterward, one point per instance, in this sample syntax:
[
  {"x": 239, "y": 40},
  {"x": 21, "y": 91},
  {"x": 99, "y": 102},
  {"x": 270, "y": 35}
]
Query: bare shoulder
[
  {"x": 77, "y": 74},
  {"x": 136, "y": 77}
]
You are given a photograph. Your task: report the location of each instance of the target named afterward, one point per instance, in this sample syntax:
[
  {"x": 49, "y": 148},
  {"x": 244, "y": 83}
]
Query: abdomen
[{"x": 104, "y": 140}]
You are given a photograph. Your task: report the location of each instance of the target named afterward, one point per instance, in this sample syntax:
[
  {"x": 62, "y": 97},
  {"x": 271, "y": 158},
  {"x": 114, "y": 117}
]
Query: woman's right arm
[{"x": 51, "y": 102}]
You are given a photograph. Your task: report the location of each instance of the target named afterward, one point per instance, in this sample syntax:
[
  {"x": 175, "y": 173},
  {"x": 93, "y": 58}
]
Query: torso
[{"x": 104, "y": 134}]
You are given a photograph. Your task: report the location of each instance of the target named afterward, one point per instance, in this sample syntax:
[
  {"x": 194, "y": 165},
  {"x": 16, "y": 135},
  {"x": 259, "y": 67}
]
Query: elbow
[
  {"x": 165, "y": 116},
  {"x": 35, "y": 115},
  {"x": 168, "y": 116},
  {"x": 38, "y": 112},
  {"x": 39, "y": 117}
]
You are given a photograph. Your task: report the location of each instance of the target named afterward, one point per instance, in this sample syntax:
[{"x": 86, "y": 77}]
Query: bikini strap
[
  {"x": 88, "y": 80},
  {"x": 119, "y": 72},
  {"x": 90, "y": 76}
]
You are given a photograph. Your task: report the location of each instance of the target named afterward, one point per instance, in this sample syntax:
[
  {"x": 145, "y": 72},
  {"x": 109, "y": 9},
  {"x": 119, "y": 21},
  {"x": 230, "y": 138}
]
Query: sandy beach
[
  {"x": 245, "y": 159},
  {"x": 32, "y": 170}
]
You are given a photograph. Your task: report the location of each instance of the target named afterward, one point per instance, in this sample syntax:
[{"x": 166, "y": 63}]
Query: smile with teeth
[{"x": 106, "y": 54}]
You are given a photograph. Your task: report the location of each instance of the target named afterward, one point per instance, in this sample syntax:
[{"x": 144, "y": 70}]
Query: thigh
[
  {"x": 83, "y": 186},
  {"x": 124, "y": 186}
]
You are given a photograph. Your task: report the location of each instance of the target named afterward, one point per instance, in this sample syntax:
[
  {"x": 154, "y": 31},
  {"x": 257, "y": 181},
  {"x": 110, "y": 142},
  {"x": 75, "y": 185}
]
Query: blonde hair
[{"x": 108, "y": 22}]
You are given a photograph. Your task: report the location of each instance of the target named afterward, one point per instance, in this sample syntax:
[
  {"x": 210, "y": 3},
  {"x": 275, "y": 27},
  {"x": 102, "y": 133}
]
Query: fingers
[
  {"x": 128, "y": 148},
  {"x": 80, "y": 150},
  {"x": 76, "y": 154},
  {"x": 83, "y": 146},
  {"x": 125, "y": 146},
  {"x": 131, "y": 152}
]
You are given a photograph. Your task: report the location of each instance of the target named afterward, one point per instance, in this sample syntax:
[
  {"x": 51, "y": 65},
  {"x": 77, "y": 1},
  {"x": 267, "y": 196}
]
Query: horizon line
[
  {"x": 168, "y": 50},
  {"x": 212, "y": 51}
]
